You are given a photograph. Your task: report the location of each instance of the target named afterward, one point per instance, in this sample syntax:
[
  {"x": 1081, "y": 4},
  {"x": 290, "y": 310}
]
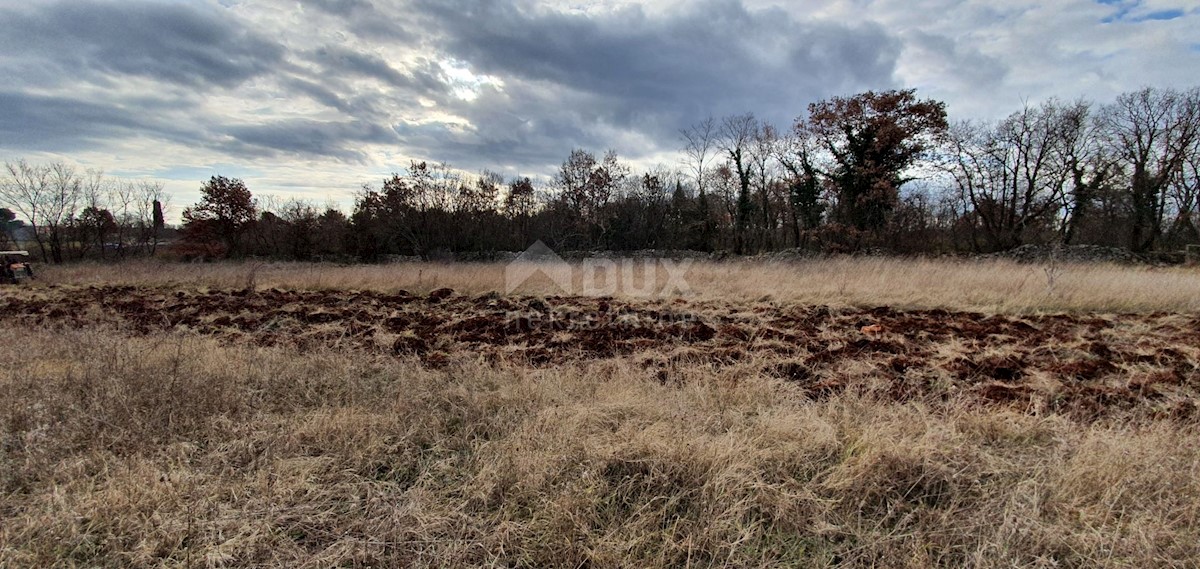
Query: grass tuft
[{"x": 184, "y": 451}]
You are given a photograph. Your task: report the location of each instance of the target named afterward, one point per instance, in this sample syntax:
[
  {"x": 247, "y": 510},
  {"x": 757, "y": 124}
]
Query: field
[{"x": 853, "y": 412}]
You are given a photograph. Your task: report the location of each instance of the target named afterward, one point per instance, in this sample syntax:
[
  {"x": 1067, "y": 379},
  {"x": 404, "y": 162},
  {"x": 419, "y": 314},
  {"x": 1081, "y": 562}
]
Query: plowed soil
[{"x": 1084, "y": 365}]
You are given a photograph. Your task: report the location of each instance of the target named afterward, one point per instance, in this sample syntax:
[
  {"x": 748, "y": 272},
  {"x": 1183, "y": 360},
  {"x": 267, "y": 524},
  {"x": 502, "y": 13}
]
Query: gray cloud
[
  {"x": 525, "y": 127},
  {"x": 959, "y": 62},
  {"x": 185, "y": 50},
  {"x": 56, "y": 123},
  {"x": 343, "y": 61},
  {"x": 342, "y": 8},
  {"x": 626, "y": 79},
  {"x": 309, "y": 138},
  {"x": 713, "y": 57},
  {"x": 184, "y": 44},
  {"x": 339, "y": 63},
  {"x": 365, "y": 19},
  {"x": 514, "y": 85},
  {"x": 576, "y": 80},
  {"x": 328, "y": 97}
]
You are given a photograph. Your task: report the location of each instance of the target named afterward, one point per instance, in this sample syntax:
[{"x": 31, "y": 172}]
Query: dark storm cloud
[
  {"x": 184, "y": 44},
  {"x": 63, "y": 123},
  {"x": 339, "y": 62},
  {"x": 186, "y": 49},
  {"x": 342, "y": 8},
  {"x": 529, "y": 126},
  {"x": 328, "y": 97},
  {"x": 630, "y": 80},
  {"x": 309, "y": 138},
  {"x": 54, "y": 123},
  {"x": 349, "y": 61},
  {"x": 627, "y": 79},
  {"x": 365, "y": 20},
  {"x": 714, "y": 57},
  {"x": 500, "y": 139}
]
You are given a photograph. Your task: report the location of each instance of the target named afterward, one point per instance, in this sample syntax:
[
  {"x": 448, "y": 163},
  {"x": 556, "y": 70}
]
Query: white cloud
[{"x": 314, "y": 97}]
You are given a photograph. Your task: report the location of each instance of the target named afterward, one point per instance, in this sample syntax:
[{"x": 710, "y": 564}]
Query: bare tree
[
  {"x": 586, "y": 187},
  {"x": 300, "y": 220},
  {"x": 62, "y": 202},
  {"x": 520, "y": 203},
  {"x": 1014, "y": 175},
  {"x": 150, "y": 202},
  {"x": 1185, "y": 195},
  {"x": 481, "y": 197},
  {"x": 1091, "y": 166},
  {"x": 763, "y": 153},
  {"x": 475, "y": 211},
  {"x": 48, "y": 197},
  {"x": 800, "y": 155},
  {"x": 699, "y": 144},
  {"x": 735, "y": 137},
  {"x": 95, "y": 224},
  {"x": 121, "y": 201},
  {"x": 1151, "y": 131},
  {"x": 24, "y": 189}
]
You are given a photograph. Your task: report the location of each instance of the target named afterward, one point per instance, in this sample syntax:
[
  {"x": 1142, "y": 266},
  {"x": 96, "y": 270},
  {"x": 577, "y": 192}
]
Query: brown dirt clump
[{"x": 1083, "y": 364}]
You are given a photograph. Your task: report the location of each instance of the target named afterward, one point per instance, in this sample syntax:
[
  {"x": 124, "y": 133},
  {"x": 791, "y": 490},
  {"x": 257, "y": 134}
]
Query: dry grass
[
  {"x": 170, "y": 448},
  {"x": 988, "y": 286},
  {"x": 178, "y": 451}
]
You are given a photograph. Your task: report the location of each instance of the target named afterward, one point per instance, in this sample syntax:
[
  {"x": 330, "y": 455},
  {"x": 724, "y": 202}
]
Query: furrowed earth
[{"x": 1086, "y": 366}]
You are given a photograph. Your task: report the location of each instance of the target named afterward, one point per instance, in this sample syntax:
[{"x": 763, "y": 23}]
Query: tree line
[
  {"x": 878, "y": 170},
  {"x": 70, "y": 214}
]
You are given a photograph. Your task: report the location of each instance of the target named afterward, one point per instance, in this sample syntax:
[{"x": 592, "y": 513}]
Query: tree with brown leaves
[
  {"x": 872, "y": 140},
  {"x": 224, "y": 213}
]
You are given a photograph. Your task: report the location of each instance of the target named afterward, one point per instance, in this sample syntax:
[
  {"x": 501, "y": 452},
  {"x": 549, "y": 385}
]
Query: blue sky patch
[
  {"x": 1161, "y": 15},
  {"x": 1126, "y": 8}
]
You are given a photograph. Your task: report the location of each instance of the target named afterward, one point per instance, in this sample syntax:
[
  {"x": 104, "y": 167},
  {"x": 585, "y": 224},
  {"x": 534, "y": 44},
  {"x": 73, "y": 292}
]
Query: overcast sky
[{"x": 313, "y": 98}]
